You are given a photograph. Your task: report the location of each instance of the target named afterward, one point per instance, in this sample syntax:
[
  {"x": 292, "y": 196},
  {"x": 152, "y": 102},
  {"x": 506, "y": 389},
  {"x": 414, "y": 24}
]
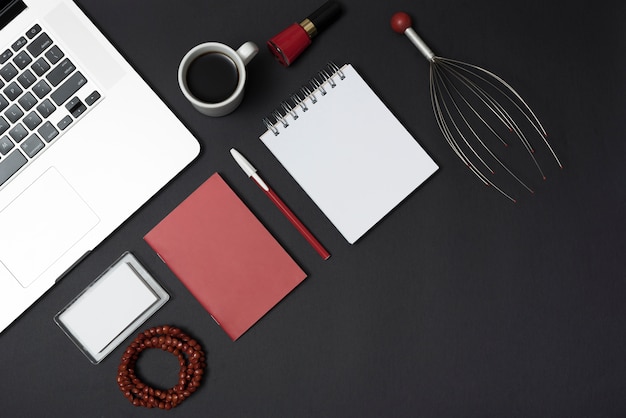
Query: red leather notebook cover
[{"x": 226, "y": 258}]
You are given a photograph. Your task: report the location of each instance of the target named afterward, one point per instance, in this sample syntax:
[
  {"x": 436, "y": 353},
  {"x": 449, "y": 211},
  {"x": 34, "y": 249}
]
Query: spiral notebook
[{"x": 347, "y": 151}]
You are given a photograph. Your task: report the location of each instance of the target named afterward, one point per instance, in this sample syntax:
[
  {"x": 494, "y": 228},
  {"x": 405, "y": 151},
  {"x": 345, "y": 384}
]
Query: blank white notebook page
[{"x": 350, "y": 154}]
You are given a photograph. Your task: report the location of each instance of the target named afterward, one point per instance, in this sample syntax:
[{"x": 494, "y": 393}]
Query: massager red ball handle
[
  {"x": 401, "y": 23},
  {"x": 291, "y": 42}
]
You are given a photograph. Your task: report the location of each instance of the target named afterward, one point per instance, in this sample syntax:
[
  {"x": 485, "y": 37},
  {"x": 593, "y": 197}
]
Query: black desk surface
[{"x": 459, "y": 303}]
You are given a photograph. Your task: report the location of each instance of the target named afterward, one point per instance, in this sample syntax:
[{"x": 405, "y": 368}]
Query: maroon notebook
[{"x": 226, "y": 258}]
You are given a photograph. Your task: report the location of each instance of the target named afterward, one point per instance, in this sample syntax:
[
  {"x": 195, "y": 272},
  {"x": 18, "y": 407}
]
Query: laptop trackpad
[{"x": 42, "y": 223}]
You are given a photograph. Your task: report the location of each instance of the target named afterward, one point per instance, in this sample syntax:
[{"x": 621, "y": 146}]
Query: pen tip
[{"x": 235, "y": 154}]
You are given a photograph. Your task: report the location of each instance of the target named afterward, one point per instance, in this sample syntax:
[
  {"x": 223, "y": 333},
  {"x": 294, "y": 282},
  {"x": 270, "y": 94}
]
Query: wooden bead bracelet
[{"x": 170, "y": 339}]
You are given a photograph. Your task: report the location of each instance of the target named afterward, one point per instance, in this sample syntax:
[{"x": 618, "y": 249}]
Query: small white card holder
[{"x": 111, "y": 308}]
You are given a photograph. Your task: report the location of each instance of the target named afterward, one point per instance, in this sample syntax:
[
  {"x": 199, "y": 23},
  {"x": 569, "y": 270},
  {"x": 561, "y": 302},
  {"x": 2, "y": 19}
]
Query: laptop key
[
  {"x": 68, "y": 88},
  {"x": 41, "y": 89},
  {"x": 33, "y": 31},
  {"x": 26, "y": 79},
  {"x": 8, "y": 72},
  {"x": 92, "y": 98},
  {"x": 40, "y": 66},
  {"x": 4, "y": 57},
  {"x": 18, "y": 133},
  {"x": 10, "y": 165},
  {"x": 60, "y": 72},
  {"x": 32, "y": 145},
  {"x": 12, "y": 91},
  {"x": 75, "y": 107},
  {"x": 17, "y": 45},
  {"x": 22, "y": 60},
  {"x": 14, "y": 113},
  {"x": 65, "y": 122},
  {"x": 46, "y": 108},
  {"x": 54, "y": 54},
  {"x": 27, "y": 101},
  {"x": 6, "y": 145},
  {"x": 32, "y": 120},
  {"x": 47, "y": 131},
  {"x": 40, "y": 44}
]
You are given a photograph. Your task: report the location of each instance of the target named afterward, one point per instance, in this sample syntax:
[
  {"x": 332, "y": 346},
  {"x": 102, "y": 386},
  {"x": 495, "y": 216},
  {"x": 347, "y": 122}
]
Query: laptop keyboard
[{"x": 38, "y": 101}]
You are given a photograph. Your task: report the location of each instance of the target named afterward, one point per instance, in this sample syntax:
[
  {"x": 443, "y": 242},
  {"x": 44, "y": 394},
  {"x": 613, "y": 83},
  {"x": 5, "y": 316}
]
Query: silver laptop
[{"x": 84, "y": 143}]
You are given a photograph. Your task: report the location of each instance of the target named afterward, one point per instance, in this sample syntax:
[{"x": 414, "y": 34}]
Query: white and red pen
[{"x": 252, "y": 173}]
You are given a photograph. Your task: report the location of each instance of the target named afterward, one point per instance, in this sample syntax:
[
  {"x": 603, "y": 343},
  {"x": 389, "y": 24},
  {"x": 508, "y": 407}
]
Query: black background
[{"x": 459, "y": 303}]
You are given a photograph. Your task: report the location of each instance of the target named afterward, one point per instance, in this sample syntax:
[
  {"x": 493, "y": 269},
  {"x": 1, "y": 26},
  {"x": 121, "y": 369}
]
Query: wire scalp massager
[{"x": 469, "y": 102}]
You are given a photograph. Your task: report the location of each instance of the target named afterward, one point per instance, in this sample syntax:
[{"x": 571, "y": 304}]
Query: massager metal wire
[{"x": 469, "y": 101}]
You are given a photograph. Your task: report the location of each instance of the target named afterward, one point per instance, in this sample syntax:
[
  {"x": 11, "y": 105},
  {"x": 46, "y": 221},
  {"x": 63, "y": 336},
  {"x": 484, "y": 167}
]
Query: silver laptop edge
[{"x": 113, "y": 159}]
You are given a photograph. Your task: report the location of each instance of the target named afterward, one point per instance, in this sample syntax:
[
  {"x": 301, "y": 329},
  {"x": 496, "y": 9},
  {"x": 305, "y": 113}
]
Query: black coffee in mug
[{"x": 212, "y": 77}]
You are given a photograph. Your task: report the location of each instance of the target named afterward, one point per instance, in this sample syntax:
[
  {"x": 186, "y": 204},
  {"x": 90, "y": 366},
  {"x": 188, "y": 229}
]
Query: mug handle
[{"x": 247, "y": 51}]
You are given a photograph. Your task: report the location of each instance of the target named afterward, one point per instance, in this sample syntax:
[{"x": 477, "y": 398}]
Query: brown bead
[{"x": 191, "y": 359}]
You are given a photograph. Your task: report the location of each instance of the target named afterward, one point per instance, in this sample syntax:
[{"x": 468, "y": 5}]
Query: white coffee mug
[{"x": 240, "y": 58}]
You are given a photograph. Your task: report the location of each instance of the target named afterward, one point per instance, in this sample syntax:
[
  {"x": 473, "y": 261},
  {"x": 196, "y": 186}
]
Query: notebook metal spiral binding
[{"x": 297, "y": 102}]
